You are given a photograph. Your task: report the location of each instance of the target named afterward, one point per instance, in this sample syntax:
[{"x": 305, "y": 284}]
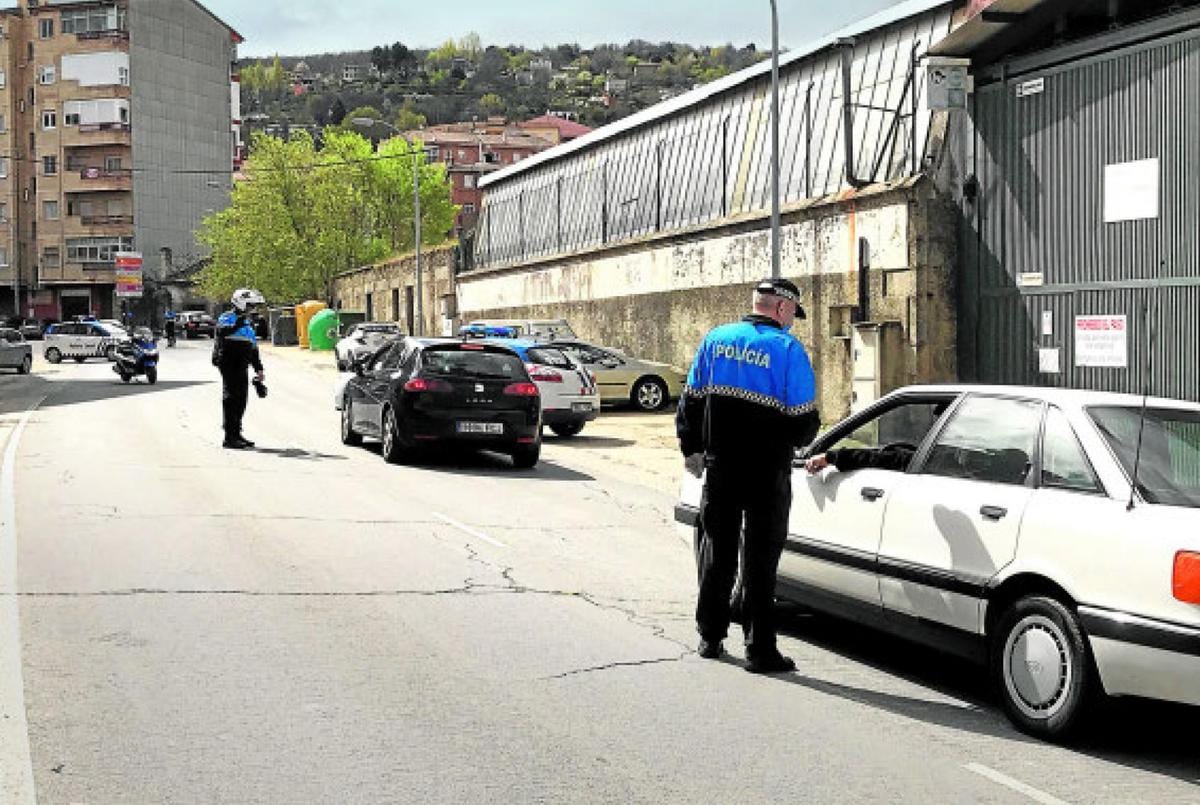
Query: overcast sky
[{"x": 296, "y": 27}]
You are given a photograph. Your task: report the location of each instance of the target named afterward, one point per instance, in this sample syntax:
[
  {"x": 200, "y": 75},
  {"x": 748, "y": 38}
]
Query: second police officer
[
  {"x": 234, "y": 352},
  {"x": 750, "y": 401}
]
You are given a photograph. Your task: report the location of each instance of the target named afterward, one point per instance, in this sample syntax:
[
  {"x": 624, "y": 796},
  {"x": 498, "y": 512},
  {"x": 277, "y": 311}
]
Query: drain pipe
[{"x": 846, "y": 46}]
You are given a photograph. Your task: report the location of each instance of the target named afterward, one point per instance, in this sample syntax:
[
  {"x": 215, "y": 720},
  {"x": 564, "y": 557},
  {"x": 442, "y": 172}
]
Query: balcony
[
  {"x": 97, "y": 134},
  {"x": 101, "y": 273},
  {"x": 115, "y": 35},
  {"x": 106, "y": 220},
  {"x": 94, "y": 180}
]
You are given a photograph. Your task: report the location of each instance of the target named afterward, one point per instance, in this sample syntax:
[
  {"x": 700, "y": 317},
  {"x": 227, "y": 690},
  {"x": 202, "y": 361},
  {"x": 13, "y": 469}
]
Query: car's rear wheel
[
  {"x": 650, "y": 394},
  {"x": 526, "y": 456},
  {"x": 53, "y": 355},
  {"x": 1042, "y": 667},
  {"x": 350, "y": 436},
  {"x": 26, "y": 365},
  {"x": 567, "y": 430},
  {"x": 394, "y": 450}
]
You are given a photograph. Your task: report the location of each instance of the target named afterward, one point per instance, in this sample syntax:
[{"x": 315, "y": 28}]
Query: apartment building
[{"x": 119, "y": 132}]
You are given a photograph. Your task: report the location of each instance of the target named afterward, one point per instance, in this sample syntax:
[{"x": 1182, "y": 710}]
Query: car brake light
[
  {"x": 424, "y": 384},
  {"x": 543, "y": 374},
  {"x": 521, "y": 390},
  {"x": 1186, "y": 582},
  {"x": 473, "y": 347}
]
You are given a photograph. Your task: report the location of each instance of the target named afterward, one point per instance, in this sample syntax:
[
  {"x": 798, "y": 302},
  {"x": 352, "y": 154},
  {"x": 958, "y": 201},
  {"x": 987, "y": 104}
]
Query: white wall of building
[{"x": 96, "y": 69}]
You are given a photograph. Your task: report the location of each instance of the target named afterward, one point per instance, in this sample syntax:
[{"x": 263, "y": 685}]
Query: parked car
[
  {"x": 1016, "y": 536},
  {"x": 570, "y": 397},
  {"x": 196, "y": 323},
  {"x": 646, "y": 385},
  {"x": 81, "y": 340},
  {"x": 30, "y": 329},
  {"x": 15, "y": 353},
  {"x": 421, "y": 393},
  {"x": 536, "y": 329},
  {"x": 363, "y": 340}
]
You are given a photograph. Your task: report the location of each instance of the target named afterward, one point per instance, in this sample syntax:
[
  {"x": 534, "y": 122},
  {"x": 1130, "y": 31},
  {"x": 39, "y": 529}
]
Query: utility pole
[{"x": 776, "y": 259}]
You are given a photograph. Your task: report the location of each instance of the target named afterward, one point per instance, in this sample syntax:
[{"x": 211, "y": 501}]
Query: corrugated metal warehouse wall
[
  {"x": 1043, "y": 249},
  {"x": 709, "y": 160}
]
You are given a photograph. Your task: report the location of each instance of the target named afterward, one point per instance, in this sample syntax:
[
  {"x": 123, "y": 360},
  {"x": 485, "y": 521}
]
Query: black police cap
[{"x": 784, "y": 289}]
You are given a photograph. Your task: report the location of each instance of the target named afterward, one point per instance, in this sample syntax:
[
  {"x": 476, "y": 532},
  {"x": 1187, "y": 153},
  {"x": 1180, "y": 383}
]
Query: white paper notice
[
  {"x": 1131, "y": 191},
  {"x": 1047, "y": 323},
  {"x": 1048, "y": 361},
  {"x": 1102, "y": 341}
]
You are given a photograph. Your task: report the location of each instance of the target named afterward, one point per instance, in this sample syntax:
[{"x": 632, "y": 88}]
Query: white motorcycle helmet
[{"x": 246, "y": 298}]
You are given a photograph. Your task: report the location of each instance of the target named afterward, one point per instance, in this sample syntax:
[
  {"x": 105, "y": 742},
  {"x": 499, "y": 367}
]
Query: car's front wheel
[
  {"x": 1041, "y": 667},
  {"x": 53, "y": 355},
  {"x": 350, "y": 436},
  {"x": 650, "y": 394}
]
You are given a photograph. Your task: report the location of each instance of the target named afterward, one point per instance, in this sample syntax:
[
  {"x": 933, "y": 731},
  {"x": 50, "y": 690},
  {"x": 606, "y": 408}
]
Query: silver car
[
  {"x": 362, "y": 340},
  {"x": 623, "y": 380},
  {"x": 15, "y": 353}
]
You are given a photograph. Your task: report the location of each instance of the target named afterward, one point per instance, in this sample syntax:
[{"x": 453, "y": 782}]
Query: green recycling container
[{"x": 323, "y": 331}]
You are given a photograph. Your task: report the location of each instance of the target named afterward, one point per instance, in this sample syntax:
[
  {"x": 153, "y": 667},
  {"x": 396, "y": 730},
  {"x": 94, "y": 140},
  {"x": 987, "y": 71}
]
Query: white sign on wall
[
  {"x": 1102, "y": 341},
  {"x": 1131, "y": 191}
]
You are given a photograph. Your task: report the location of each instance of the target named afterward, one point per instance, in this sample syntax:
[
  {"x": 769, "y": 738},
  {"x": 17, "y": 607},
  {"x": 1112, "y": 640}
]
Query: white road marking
[
  {"x": 1016, "y": 785},
  {"x": 466, "y": 529},
  {"x": 16, "y": 761}
]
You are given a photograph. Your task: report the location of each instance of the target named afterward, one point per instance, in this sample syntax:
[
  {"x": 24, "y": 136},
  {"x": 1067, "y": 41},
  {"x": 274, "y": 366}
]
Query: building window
[
  {"x": 49, "y": 166},
  {"x": 3, "y": 79},
  {"x": 51, "y": 257},
  {"x": 370, "y": 308},
  {"x": 3, "y": 256},
  {"x": 468, "y": 209},
  {"x": 71, "y": 119},
  {"x": 49, "y": 119},
  {"x": 3, "y": 167},
  {"x": 112, "y": 164},
  {"x": 432, "y": 151},
  {"x": 97, "y": 250},
  {"x": 123, "y": 76},
  {"x": 47, "y": 75},
  {"x": 49, "y": 210},
  {"x": 93, "y": 21},
  {"x": 29, "y": 52},
  {"x": 3, "y": 213},
  {"x": 3, "y": 123},
  {"x": 470, "y": 181},
  {"x": 46, "y": 27}
]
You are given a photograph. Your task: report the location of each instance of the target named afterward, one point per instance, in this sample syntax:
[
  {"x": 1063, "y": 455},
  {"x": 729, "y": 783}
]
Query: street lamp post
[
  {"x": 366, "y": 122},
  {"x": 776, "y": 266}
]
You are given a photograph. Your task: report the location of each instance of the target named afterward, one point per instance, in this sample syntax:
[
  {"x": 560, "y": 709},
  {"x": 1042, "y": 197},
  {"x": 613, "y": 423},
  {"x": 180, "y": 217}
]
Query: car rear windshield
[
  {"x": 550, "y": 357},
  {"x": 1168, "y": 470},
  {"x": 473, "y": 363}
]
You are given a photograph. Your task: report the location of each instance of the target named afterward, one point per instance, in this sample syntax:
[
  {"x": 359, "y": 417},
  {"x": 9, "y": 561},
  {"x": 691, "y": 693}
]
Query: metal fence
[{"x": 710, "y": 161}]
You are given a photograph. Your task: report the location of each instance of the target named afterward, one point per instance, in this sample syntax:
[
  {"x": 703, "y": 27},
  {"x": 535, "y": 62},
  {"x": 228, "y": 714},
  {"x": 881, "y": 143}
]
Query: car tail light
[
  {"x": 521, "y": 390},
  {"x": 473, "y": 347},
  {"x": 543, "y": 374},
  {"x": 424, "y": 384},
  {"x": 1186, "y": 583}
]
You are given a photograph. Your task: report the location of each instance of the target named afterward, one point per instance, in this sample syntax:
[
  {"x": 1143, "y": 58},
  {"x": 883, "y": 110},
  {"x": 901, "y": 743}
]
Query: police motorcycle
[{"x": 138, "y": 357}]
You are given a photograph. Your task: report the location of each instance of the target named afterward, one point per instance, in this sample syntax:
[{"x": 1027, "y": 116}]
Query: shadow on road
[
  {"x": 25, "y": 392},
  {"x": 480, "y": 464},
  {"x": 297, "y": 453},
  {"x": 1148, "y": 736},
  {"x": 582, "y": 442}
]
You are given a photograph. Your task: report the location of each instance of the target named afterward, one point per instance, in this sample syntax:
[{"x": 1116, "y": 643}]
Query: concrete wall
[
  {"x": 437, "y": 278},
  {"x": 180, "y": 79},
  {"x": 658, "y": 297}
]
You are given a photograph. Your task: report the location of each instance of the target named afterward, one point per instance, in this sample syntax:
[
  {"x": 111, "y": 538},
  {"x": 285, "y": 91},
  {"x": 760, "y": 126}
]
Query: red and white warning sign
[{"x": 1102, "y": 341}]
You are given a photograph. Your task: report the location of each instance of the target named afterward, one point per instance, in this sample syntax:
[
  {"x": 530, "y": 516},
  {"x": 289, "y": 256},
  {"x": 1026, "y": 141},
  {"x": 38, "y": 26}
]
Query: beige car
[{"x": 646, "y": 385}]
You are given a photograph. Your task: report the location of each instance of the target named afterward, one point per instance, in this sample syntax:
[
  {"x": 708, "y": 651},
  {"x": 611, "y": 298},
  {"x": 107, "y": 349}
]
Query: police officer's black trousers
[
  {"x": 235, "y": 390},
  {"x": 759, "y": 500}
]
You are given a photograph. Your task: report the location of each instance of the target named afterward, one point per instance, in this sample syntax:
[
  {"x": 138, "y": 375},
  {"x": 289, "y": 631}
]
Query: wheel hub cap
[{"x": 1038, "y": 666}]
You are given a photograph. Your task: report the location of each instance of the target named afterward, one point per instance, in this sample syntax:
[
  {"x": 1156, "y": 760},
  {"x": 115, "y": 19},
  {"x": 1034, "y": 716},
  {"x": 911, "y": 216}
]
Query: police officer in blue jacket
[
  {"x": 235, "y": 351},
  {"x": 750, "y": 401}
]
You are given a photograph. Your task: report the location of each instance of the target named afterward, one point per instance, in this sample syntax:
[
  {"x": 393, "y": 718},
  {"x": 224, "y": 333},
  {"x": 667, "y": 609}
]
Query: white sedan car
[
  {"x": 1012, "y": 532},
  {"x": 363, "y": 340}
]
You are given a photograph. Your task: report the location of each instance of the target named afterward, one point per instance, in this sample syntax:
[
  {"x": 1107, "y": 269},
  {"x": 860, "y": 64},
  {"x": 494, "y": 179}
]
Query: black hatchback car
[{"x": 415, "y": 393}]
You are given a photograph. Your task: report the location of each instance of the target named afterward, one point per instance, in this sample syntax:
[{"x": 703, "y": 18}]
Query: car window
[
  {"x": 11, "y": 336},
  {"x": 988, "y": 439},
  {"x": 1064, "y": 464},
  {"x": 391, "y": 357},
  {"x": 378, "y": 359},
  {"x": 906, "y": 424},
  {"x": 550, "y": 357},
  {"x": 1165, "y": 448},
  {"x": 463, "y": 363}
]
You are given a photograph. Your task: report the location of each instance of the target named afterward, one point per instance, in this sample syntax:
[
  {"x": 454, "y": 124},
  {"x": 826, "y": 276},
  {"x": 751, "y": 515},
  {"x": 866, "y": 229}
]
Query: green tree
[
  {"x": 305, "y": 214},
  {"x": 491, "y": 104},
  {"x": 409, "y": 119}
]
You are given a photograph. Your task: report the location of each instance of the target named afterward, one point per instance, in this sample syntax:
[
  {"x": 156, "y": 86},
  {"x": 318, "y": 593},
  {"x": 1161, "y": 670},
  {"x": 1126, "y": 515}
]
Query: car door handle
[
  {"x": 995, "y": 513},
  {"x": 871, "y": 493}
]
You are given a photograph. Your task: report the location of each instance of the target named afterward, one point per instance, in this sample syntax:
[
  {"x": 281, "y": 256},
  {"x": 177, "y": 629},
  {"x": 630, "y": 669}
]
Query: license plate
[
  {"x": 581, "y": 407},
  {"x": 489, "y": 428}
]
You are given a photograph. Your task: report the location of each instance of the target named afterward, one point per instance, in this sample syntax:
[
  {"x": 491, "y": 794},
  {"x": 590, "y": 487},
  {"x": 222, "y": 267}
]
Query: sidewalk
[{"x": 321, "y": 361}]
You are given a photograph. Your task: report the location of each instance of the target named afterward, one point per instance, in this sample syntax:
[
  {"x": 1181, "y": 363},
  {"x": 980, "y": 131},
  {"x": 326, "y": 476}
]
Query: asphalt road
[{"x": 304, "y": 623}]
